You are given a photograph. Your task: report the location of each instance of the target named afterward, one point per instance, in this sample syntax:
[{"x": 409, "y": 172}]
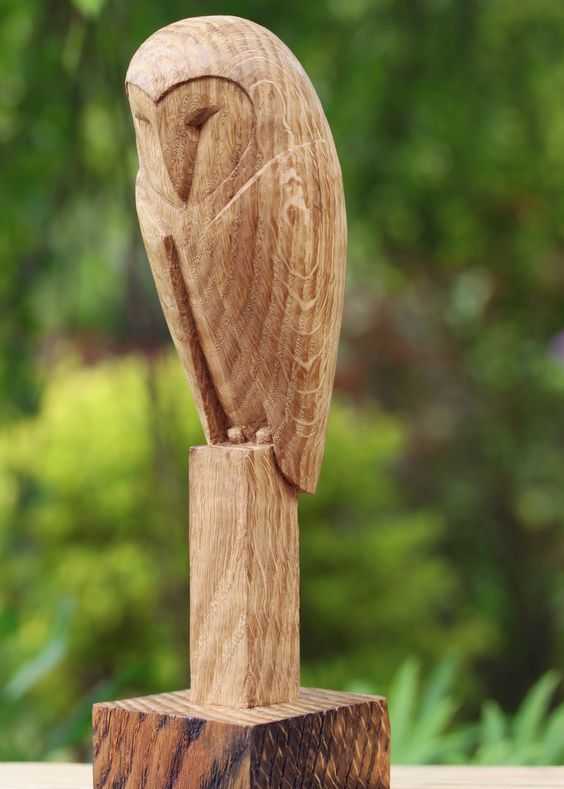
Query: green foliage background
[{"x": 438, "y": 529}]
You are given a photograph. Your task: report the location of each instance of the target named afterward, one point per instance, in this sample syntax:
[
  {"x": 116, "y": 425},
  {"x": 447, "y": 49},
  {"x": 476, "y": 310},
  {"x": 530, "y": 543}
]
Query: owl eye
[{"x": 198, "y": 118}]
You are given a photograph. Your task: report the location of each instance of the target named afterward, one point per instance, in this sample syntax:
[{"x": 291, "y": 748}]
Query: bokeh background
[{"x": 433, "y": 554}]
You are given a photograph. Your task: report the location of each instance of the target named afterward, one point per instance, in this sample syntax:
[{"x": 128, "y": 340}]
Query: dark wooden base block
[{"x": 324, "y": 739}]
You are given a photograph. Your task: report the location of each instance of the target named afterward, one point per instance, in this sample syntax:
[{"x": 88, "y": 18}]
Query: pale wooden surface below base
[{"x": 79, "y": 776}]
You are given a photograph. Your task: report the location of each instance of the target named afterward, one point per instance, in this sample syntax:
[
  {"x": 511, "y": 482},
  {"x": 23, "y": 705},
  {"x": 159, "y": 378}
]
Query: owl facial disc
[{"x": 192, "y": 137}]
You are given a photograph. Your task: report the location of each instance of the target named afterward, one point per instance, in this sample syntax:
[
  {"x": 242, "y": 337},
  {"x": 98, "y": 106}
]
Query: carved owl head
[{"x": 211, "y": 79}]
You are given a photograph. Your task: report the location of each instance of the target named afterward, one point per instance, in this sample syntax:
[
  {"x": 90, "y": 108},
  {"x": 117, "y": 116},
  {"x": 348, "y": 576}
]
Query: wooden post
[
  {"x": 240, "y": 201},
  {"x": 244, "y": 578}
]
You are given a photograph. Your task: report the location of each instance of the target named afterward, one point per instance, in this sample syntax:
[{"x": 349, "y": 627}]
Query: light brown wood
[
  {"x": 42, "y": 775},
  {"x": 17, "y": 775},
  {"x": 324, "y": 739},
  {"x": 244, "y": 578},
  {"x": 240, "y": 201},
  {"x": 477, "y": 777}
]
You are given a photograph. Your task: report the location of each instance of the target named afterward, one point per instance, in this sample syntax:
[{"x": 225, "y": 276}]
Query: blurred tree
[{"x": 457, "y": 180}]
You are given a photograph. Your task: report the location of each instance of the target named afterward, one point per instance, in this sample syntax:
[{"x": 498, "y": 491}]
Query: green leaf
[
  {"x": 402, "y": 701},
  {"x": 438, "y": 685},
  {"x": 529, "y": 717},
  {"x": 493, "y": 726},
  {"x": 552, "y": 745},
  {"x": 36, "y": 669}
]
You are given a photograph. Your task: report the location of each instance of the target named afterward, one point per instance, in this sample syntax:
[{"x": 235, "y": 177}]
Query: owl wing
[
  {"x": 265, "y": 283},
  {"x": 163, "y": 258}
]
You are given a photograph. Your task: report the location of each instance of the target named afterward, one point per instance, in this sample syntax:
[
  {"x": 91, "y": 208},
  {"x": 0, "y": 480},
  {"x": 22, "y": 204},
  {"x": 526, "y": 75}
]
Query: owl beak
[
  {"x": 180, "y": 147},
  {"x": 180, "y": 162}
]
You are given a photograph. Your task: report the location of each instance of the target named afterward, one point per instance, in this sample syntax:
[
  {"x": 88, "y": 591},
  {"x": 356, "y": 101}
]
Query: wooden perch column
[
  {"x": 240, "y": 201},
  {"x": 244, "y": 578}
]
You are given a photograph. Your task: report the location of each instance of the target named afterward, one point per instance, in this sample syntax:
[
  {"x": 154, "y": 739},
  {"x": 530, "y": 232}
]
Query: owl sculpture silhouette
[{"x": 240, "y": 201}]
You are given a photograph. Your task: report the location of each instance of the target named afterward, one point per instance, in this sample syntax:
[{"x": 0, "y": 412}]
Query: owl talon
[
  {"x": 235, "y": 435},
  {"x": 263, "y": 435}
]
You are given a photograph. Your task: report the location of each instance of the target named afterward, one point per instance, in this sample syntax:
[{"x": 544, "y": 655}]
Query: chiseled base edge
[{"x": 344, "y": 745}]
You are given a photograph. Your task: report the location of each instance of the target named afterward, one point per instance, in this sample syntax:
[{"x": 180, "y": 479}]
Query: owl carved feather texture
[{"x": 240, "y": 202}]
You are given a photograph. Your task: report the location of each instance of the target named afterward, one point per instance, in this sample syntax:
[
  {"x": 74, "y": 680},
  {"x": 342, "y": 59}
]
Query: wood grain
[
  {"x": 323, "y": 739},
  {"x": 244, "y": 578},
  {"x": 241, "y": 207},
  {"x": 17, "y": 775}
]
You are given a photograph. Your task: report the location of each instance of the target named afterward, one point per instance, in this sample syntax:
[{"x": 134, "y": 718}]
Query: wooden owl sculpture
[{"x": 241, "y": 207}]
